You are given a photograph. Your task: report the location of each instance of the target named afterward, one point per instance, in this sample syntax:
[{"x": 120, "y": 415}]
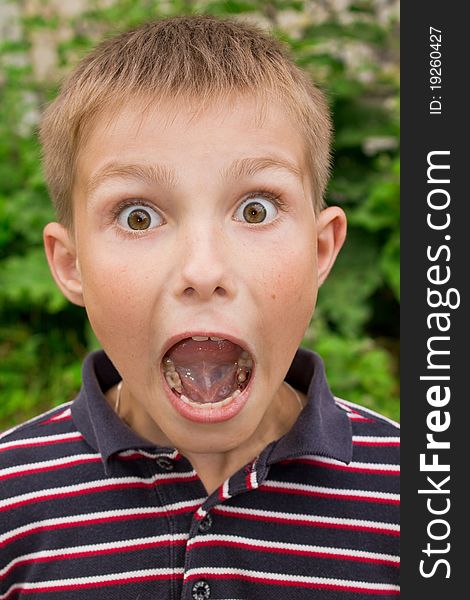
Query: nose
[{"x": 205, "y": 266}]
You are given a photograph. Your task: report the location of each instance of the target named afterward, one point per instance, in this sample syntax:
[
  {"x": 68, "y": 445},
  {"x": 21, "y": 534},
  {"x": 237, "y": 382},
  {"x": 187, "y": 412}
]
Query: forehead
[{"x": 233, "y": 136}]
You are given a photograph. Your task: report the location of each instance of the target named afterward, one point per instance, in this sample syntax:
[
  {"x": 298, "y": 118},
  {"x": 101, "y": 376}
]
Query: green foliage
[{"x": 43, "y": 338}]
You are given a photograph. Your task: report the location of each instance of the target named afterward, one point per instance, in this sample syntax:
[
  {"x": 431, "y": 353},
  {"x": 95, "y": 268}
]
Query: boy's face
[{"x": 197, "y": 226}]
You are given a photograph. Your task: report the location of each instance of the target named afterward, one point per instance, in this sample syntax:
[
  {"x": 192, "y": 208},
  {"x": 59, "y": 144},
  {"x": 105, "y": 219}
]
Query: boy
[{"x": 205, "y": 456}]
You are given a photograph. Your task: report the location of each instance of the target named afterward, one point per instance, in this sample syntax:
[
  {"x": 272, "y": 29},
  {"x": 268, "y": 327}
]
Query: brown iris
[
  {"x": 254, "y": 212},
  {"x": 139, "y": 219}
]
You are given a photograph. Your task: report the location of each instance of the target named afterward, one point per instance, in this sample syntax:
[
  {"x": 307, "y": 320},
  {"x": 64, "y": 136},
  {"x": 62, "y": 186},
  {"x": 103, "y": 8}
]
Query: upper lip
[{"x": 209, "y": 333}]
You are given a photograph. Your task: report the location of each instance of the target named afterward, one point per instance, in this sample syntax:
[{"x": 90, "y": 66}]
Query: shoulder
[
  {"x": 375, "y": 438},
  {"x": 41, "y": 439},
  {"x": 39, "y": 461},
  {"x": 357, "y": 412},
  {"x": 368, "y": 421},
  {"x": 36, "y": 425}
]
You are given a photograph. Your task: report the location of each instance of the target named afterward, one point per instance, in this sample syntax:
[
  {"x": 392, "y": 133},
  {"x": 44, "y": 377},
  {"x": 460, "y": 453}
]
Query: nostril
[{"x": 203, "y": 292}]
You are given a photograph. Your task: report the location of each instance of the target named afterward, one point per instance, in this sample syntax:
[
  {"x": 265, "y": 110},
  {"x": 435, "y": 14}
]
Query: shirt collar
[
  {"x": 93, "y": 416},
  {"x": 322, "y": 428}
]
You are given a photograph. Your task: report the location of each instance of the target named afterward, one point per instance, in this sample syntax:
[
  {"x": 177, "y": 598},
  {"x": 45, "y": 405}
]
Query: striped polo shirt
[{"x": 90, "y": 510}]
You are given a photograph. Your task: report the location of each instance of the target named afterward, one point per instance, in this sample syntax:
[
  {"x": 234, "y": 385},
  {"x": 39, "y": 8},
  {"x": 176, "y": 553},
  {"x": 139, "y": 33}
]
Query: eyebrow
[
  {"x": 156, "y": 174},
  {"x": 163, "y": 175},
  {"x": 247, "y": 167}
]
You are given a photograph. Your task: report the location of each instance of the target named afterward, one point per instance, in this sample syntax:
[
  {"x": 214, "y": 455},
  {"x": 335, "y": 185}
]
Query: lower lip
[{"x": 212, "y": 413}]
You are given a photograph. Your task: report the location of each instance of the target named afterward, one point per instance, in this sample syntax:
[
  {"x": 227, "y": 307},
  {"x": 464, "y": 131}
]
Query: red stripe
[
  {"x": 50, "y": 467},
  {"x": 57, "y": 419},
  {"x": 44, "y": 442},
  {"x": 103, "y": 551},
  {"x": 353, "y": 415},
  {"x": 319, "y": 463},
  {"x": 283, "y": 490},
  {"x": 91, "y": 584},
  {"x": 133, "y": 456},
  {"x": 309, "y": 523},
  {"x": 139, "y": 455},
  {"x": 199, "y": 514},
  {"x": 109, "y": 519},
  {"x": 300, "y": 552},
  {"x": 97, "y": 489},
  {"x": 283, "y": 582},
  {"x": 365, "y": 443}
]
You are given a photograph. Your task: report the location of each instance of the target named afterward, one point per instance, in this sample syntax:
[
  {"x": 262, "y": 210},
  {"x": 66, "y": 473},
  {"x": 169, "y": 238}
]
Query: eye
[
  {"x": 257, "y": 209},
  {"x": 139, "y": 217}
]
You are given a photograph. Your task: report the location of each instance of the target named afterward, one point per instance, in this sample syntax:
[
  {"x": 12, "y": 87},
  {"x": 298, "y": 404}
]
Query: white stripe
[
  {"x": 253, "y": 475},
  {"x": 36, "y": 418},
  {"x": 80, "y": 487},
  {"x": 369, "y": 411},
  {"x": 262, "y": 544},
  {"x": 253, "y": 480},
  {"x": 45, "y": 439},
  {"x": 225, "y": 489},
  {"x": 71, "y": 551},
  {"x": 201, "y": 512},
  {"x": 96, "y": 516},
  {"x": 62, "y": 415},
  {"x": 339, "y": 403},
  {"x": 329, "y": 491},
  {"x": 312, "y": 518},
  {"x": 287, "y": 577},
  {"x": 48, "y": 463},
  {"x": 355, "y": 417},
  {"x": 125, "y": 453},
  {"x": 354, "y": 465},
  {"x": 374, "y": 439},
  {"x": 153, "y": 455},
  {"x": 78, "y": 581}
]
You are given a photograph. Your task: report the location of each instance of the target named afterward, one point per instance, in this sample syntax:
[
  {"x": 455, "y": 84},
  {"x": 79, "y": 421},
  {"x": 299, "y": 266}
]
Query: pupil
[
  {"x": 139, "y": 219},
  {"x": 254, "y": 212}
]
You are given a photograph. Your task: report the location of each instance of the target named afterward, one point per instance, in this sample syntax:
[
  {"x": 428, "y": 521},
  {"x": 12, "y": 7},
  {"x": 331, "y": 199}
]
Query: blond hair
[{"x": 181, "y": 58}]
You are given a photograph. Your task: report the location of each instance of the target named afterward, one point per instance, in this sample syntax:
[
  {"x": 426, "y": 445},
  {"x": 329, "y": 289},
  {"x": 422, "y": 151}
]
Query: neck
[{"x": 214, "y": 468}]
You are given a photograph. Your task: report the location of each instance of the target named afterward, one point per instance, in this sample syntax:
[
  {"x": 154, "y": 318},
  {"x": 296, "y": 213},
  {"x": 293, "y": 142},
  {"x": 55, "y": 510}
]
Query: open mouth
[{"x": 207, "y": 371}]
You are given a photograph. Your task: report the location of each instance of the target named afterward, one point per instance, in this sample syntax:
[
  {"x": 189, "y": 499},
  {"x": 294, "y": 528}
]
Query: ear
[
  {"x": 63, "y": 263},
  {"x": 331, "y": 233}
]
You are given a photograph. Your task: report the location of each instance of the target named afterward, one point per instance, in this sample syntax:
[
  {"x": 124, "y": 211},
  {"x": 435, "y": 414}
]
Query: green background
[{"x": 352, "y": 53}]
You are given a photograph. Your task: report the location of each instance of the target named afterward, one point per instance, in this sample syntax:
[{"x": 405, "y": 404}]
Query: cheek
[
  {"x": 291, "y": 292},
  {"x": 116, "y": 299}
]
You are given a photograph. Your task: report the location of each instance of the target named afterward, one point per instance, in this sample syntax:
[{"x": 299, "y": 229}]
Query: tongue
[{"x": 207, "y": 369}]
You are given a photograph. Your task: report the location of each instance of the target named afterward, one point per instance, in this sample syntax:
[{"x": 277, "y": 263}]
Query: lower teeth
[
  {"x": 174, "y": 381},
  {"x": 241, "y": 376},
  {"x": 209, "y": 405}
]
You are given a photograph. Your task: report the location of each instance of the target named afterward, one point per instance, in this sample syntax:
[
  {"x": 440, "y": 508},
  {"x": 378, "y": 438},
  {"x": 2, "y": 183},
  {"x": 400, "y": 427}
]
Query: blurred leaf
[
  {"x": 344, "y": 298},
  {"x": 26, "y": 280},
  {"x": 390, "y": 263}
]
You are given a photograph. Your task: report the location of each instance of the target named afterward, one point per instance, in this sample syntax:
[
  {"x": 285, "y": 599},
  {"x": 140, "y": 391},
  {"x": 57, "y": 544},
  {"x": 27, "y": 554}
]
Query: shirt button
[
  {"x": 165, "y": 463},
  {"x": 201, "y": 590},
  {"x": 205, "y": 524}
]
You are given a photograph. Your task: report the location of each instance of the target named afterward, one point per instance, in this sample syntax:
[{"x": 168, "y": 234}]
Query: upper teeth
[{"x": 204, "y": 338}]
